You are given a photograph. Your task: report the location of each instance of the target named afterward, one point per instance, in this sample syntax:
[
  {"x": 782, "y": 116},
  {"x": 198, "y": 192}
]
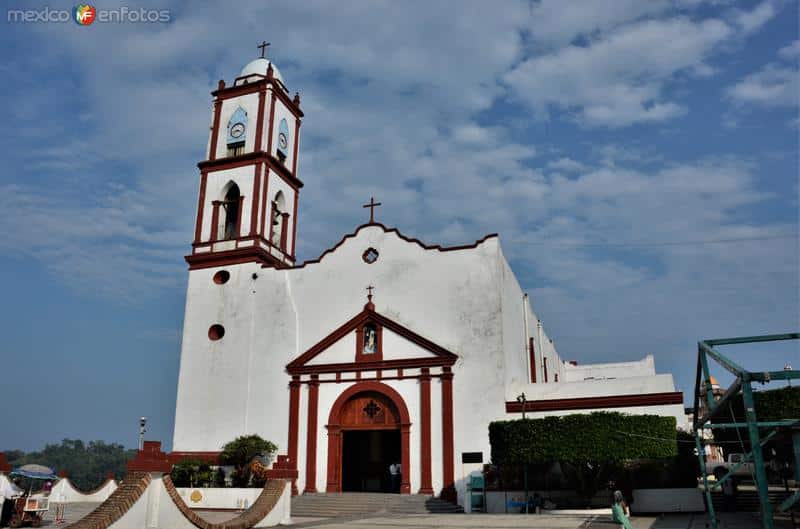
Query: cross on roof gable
[{"x": 440, "y": 355}]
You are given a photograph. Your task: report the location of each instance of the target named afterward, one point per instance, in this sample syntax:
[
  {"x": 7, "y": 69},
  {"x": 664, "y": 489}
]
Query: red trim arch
[{"x": 335, "y": 434}]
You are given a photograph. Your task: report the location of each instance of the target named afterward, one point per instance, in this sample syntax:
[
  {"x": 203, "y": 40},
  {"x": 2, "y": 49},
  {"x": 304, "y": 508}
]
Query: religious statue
[{"x": 369, "y": 340}]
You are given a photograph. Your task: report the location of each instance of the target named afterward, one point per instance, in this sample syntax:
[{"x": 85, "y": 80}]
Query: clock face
[
  {"x": 237, "y": 130},
  {"x": 282, "y": 140}
]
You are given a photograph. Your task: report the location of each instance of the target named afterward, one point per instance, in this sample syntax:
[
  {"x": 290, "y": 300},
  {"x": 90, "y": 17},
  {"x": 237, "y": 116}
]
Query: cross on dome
[
  {"x": 263, "y": 47},
  {"x": 372, "y": 205}
]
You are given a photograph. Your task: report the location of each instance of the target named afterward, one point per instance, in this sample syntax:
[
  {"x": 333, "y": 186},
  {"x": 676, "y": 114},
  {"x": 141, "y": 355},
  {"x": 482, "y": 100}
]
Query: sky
[{"x": 638, "y": 159}]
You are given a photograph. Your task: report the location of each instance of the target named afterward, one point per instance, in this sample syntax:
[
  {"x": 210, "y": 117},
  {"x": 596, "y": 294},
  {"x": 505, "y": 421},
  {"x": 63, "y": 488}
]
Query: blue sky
[{"x": 639, "y": 160}]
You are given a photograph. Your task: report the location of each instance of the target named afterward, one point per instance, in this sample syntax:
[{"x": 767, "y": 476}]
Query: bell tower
[{"x": 247, "y": 205}]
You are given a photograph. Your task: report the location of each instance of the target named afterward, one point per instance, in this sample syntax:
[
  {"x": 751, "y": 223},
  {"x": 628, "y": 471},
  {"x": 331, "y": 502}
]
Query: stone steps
[{"x": 357, "y": 503}]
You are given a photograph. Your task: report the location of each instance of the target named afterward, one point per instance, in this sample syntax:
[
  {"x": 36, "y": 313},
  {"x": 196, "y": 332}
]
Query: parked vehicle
[{"x": 720, "y": 468}]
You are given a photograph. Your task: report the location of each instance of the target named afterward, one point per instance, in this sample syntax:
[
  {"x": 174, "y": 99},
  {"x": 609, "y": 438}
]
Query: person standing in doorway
[{"x": 394, "y": 474}]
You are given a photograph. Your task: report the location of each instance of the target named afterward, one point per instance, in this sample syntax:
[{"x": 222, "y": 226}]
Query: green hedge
[{"x": 598, "y": 436}]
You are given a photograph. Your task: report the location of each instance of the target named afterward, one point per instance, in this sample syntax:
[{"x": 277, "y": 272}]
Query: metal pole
[
  {"x": 701, "y": 455},
  {"x": 758, "y": 458}
]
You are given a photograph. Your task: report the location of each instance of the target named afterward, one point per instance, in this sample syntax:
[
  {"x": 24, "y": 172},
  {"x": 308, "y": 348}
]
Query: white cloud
[
  {"x": 750, "y": 22},
  {"x": 792, "y": 51},
  {"x": 773, "y": 86},
  {"x": 619, "y": 79},
  {"x": 566, "y": 164}
]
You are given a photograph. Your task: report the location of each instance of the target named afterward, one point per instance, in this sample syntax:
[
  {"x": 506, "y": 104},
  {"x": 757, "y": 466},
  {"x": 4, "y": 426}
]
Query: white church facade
[{"x": 382, "y": 350}]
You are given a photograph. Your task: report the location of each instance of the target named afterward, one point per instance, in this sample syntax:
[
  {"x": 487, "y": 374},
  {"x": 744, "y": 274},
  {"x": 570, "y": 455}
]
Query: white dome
[{"x": 259, "y": 66}]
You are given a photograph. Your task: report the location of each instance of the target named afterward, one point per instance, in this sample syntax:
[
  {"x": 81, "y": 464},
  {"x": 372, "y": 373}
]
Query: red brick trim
[
  {"x": 150, "y": 459},
  {"x": 294, "y": 424},
  {"x": 266, "y": 501},
  {"x": 442, "y": 357},
  {"x": 448, "y": 448},
  {"x": 311, "y": 430},
  {"x": 592, "y": 403},
  {"x": 407, "y": 239},
  {"x": 201, "y": 204},
  {"x": 212, "y": 151},
  {"x": 121, "y": 500},
  {"x": 425, "y": 432},
  {"x": 334, "y": 481}
]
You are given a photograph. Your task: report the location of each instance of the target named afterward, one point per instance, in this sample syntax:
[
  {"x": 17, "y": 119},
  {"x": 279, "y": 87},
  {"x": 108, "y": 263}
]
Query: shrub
[{"x": 240, "y": 453}]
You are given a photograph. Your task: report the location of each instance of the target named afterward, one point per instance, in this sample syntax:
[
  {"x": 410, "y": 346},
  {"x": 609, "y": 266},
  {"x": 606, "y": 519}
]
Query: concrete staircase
[{"x": 349, "y": 504}]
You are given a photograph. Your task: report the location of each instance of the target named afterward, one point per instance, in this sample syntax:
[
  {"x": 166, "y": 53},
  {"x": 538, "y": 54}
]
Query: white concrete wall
[
  {"x": 219, "y": 498},
  {"x": 641, "y": 368},
  {"x": 667, "y": 500},
  {"x": 64, "y": 492}
]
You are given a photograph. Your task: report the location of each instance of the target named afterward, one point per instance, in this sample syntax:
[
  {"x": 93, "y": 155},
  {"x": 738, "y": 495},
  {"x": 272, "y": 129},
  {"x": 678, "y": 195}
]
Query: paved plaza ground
[{"x": 76, "y": 511}]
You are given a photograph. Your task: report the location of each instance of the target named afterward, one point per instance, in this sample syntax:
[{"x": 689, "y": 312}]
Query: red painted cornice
[
  {"x": 229, "y": 257},
  {"x": 250, "y": 158},
  {"x": 255, "y": 86},
  {"x": 593, "y": 403},
  {"x": 442, "y": 357}
]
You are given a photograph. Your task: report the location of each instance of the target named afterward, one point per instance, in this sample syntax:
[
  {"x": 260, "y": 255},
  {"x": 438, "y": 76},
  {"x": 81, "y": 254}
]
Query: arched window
[
  {"x": 280, "y": 221},
  {"x": 231, "y": 205}
]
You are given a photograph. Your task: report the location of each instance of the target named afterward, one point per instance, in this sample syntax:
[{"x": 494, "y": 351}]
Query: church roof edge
[{"x": 422, "y": 245}]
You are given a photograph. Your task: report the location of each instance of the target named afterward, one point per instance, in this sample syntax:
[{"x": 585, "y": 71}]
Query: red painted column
[
  {"x": 271, "y": 120},
  {"x": 294, "y": 425},
  {"x": 256, "y": 194},
  {"x": 294, "y": 224},
  {"x": 334, "y": 452},
  {"x": 239, "y": 218},
  {"x": 311, "y": 441},
  {"x": 425, "y": 431},
  {"x": 405, "y": 459},
  {"x": 215, "y": 220},
  {"x": 532, "y": 352},
  {"x": 212, "y": 151},
  {"x": 260, "y": 121},
  {"x": 284, "y": 228},
  {"x": 448, "y": 455},
  {"x": 201, "y": 203}
]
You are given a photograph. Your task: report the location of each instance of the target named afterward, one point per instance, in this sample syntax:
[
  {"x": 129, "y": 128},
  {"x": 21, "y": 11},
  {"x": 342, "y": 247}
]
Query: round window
[
  {"x": 216, "y": 332},
  {"x": 222, "y": 277},
  {"x": 370, "y": 255}
]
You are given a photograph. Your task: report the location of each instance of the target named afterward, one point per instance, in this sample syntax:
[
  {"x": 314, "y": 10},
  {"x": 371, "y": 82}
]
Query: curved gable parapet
[{"x": 405, "y": 238}]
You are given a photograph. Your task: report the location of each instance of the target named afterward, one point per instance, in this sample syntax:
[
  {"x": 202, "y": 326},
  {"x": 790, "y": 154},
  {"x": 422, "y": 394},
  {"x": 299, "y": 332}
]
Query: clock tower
[{"x": 247, "y": 206}]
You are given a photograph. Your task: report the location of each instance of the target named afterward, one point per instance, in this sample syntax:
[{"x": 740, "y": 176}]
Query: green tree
[
  {"x": 240, "y": 453},
  {"x": 87, "y": 465}
]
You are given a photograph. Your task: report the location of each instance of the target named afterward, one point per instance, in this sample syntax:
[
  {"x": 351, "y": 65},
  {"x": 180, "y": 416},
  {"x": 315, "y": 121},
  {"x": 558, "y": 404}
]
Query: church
[{"x": 384, "y": 350}]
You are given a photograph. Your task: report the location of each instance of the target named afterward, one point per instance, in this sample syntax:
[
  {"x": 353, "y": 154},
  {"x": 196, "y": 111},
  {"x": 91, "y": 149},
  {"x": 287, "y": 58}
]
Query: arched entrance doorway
[{"x": 368, "y": 429}]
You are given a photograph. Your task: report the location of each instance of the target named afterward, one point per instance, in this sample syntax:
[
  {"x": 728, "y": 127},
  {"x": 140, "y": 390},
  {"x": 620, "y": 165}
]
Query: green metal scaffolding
[{"x": 743, "y": 383}]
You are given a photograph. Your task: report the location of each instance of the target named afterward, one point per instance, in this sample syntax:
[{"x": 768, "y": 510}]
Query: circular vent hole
[
  {"x": 222, "y": 277},
  {"x": 215, "y": 332},
  {"x": 370, "y": 255}
]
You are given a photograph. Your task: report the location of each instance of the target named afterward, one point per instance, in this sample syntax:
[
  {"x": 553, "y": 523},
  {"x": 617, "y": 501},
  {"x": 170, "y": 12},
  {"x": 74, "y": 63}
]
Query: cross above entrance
[
  {"x": 369, "y": 290},
  {"x": 263, "y": 47},
  {"x": 372, "y": 205}
]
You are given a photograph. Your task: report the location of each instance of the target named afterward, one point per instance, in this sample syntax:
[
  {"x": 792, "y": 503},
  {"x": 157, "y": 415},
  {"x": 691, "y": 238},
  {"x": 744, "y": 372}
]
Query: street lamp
[
  {"x": 788, "y": 367},
  {"x": 521, "y": 399},
  {"x": 142, "y": 430}
]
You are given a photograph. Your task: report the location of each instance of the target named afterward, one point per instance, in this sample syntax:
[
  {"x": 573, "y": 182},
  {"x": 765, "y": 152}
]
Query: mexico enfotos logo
[{"x": 87, "y": 14}]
